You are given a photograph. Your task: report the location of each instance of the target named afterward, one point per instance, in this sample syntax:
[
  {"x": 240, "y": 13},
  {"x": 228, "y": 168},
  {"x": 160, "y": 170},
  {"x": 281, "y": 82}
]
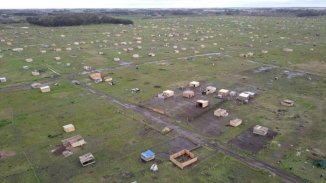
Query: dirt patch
[
  {"x": 6, "y": 154},
  {"x": 59, "y": 150},
  {"x": 265, "y": 68},
  {"x": 252, "y": 142},
  {"x": 292, "y": 74},
  {"x": 180, "y": 143},
  {"x": 312, "y": 66}
]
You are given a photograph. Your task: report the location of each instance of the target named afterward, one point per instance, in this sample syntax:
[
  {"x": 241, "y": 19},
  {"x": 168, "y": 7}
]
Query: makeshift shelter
[
  {"x": 3, "y": 80},
  {"x": 147, "y": 155},
  {"x": 287, "y": 102},
  {"x": 74, "y": 141},
  {"x": 135, "y": 56},
  {"x": 154, "y": 167},
  {"x": 69, "y": 128},
  {"x": 191, "y": 158},
  {"x": 151, "y": 54},
  {"x": 209, "y": 89},
  {"x": 188, "y": 94},
  {"x": 45, "y": 89},
  {"x": 116, "y": 59},
  {"x": 96, "y": 76},
  {"x": 235, "y": 122},
  {"x": 87, "y": 159},
  {"x": 220, "y": 112},
  {"x": 202, "y": 103},
  {"x": 260, "y": 130},
  {"x": 57, "y": 58},
  {"x": 223, "y": 93},
  {"x": 194, "y": 84}
]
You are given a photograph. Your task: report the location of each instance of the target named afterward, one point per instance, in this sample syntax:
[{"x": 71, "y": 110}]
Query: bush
[{"x": 75, "y": 20}]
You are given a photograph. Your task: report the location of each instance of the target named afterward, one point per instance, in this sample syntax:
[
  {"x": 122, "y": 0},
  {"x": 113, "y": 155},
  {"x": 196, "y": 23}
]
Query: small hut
[
  {"x": 202, "y": 103},
  {"x": 222, "y": 93},
  {"x": 209, "y": 90},
  {"x": 194, "y": 84},
  {"x": 96, "y": 76},
  {"x": 3, "y": 80}
]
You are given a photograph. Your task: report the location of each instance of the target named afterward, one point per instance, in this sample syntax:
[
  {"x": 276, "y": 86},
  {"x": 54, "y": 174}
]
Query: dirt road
[{"x": 195, "y": 137}]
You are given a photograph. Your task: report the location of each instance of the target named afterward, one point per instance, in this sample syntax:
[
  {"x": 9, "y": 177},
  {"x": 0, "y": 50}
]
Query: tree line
[{"x": 75, "y": 20}]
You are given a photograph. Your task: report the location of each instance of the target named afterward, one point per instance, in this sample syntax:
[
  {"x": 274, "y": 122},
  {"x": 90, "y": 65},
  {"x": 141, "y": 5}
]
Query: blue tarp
[{"x": 148, "y": 154}]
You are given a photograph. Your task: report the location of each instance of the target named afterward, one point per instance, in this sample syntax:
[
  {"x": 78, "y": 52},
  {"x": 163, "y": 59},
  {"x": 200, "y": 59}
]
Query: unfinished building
[
  {"x": 87, "y": 159},
  {"x": 202, "y": 103},
  {"x": 178, "y": 158}
]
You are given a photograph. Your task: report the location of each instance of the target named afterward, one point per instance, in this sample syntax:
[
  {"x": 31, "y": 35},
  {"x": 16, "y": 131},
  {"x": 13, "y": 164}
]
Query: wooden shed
[
  {"x": 166, "y": 94},
  {"x": 194, "y": 84},
  {"x": 188, "y": 94},
  {"x": 223, "y": 93},
  {"x": 243, "y": 97},
  {"x": 202, "y": 103},
  {"x": 191, "y": 158}
]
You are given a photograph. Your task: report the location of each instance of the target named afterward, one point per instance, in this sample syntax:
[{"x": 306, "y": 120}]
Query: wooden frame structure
[{"x": 183, "y": 152}]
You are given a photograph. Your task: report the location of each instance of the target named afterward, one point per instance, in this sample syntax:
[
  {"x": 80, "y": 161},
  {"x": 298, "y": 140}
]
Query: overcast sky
[{"x": 21, "y": 4}]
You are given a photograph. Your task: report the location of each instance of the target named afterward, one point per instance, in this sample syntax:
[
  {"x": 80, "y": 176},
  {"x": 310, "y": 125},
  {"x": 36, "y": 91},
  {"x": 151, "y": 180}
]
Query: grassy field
[{"x": 209, "y": 47}]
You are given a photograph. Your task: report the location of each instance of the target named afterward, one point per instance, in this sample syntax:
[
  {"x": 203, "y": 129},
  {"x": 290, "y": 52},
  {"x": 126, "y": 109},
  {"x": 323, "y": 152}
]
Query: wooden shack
[
  {"x": 194, "y": 84},
  {"x": 223, "y": 93},
  {"x": 191, "y": 158},
  {"x": 87, "y": 159},
  {"x": 202, "y": 103},
  {"x": 209, "y": 90}
]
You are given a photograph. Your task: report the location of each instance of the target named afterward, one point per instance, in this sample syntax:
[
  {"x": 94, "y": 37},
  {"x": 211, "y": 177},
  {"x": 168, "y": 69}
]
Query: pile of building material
[
  {"x": 74, "y": 141},
  {"x": 260, "y": 130},
  {"x": 287, "y": 102},
  {"x": 191, "y": 158},
  {"x": 235, "y": 122},
  {"x": 188, "y": 94},
  {"x": 87, "y": 159},
  {"x": 220, "y": 112},
  {"x": 147, "y": 155},
  {"x": 96, "y": 76},
  {"x": 45, "y": 88},
  {"x": 69, "y": 128}
]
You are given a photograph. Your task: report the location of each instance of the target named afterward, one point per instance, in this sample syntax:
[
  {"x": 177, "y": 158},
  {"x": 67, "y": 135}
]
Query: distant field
[{"x": 208, "y": 51}]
